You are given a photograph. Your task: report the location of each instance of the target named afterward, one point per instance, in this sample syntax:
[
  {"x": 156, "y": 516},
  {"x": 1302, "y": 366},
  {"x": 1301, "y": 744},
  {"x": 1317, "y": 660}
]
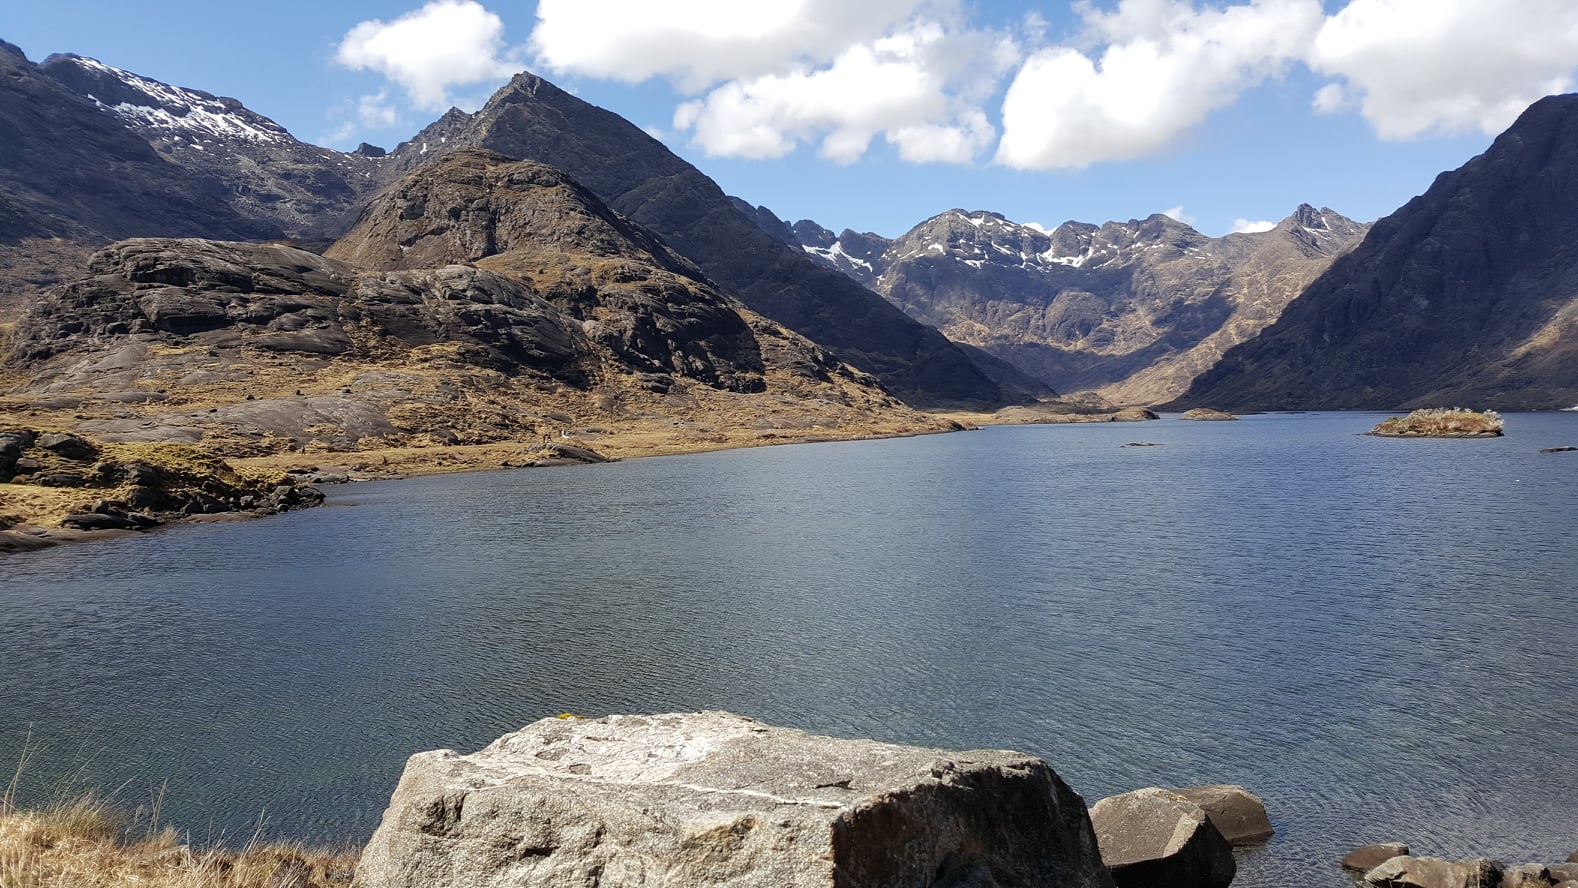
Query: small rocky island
[
  {"x": 1207, "y": 414},
  {"x": 1441, "y": 422}
]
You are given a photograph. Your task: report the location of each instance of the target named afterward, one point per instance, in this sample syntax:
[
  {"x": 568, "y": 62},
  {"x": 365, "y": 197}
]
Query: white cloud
[
  {"x": 444, "y": 44},
  {"x": 1039, "y": 227},
  {"x": 1177, "y": 214},
  {"x": 1245, "y": 226},
  {"x": 920, "y": 87},
  {"x": 1416, "y": 67},
  {"x": 1165, "y": 66},
  {"x": 699, "y": 43}
]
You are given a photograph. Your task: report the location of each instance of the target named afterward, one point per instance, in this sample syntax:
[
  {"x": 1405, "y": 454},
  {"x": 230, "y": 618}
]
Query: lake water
[{"x": 1377, "y": 636}]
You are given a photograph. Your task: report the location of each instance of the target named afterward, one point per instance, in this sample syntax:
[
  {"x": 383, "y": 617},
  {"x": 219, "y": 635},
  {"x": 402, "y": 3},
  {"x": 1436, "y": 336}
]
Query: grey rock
[
  {"x": 1565, "y": 872},
  {"x": 1433, "y": 872},
  {"x": 1155, "y": 838},
  {"x": 1238, "y": 814},
  {"x": 60, "y": 479},
  {"x": 715, "y": 799},
  {"x": 1368, "y": 857},
  {"x": 96, "y": 521},
  {"x": 68, "y": 446}
]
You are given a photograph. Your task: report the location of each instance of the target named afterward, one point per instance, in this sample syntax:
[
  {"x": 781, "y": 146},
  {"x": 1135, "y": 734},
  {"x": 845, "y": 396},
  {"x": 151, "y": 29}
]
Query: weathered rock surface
[
  {"x": 1156, "y": 838},
  {"x": 1433, "y": 872},
  {"x": 715, "y": 799},
  {"x": 1238, "y": 814},
  {"x": 1368, "y": 857}
]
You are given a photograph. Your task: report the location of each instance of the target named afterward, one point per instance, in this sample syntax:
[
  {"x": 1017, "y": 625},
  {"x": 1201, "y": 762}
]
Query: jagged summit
[{"x": 1130, "y": 310}]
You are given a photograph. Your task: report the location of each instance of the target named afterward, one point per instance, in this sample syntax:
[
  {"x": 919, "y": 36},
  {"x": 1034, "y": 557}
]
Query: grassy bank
[{"x": 88, "y": 842}]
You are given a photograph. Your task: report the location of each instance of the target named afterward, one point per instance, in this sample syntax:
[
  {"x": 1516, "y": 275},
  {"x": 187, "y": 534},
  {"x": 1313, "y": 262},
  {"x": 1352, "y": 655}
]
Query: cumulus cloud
[
  {"x": 1245, "y": 226},
  {"x": 1164, "y": 67},
  {"x": 444, "y": 44},
  {"x": 1177, "y": 214},
  {"x": 1415, "y": 67},
  {"x": 699, "y": 43},
  {"x": 770, "y": 77}
]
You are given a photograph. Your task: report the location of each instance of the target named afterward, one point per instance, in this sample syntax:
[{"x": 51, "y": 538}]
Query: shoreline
[{"x": 31, "y": 533}]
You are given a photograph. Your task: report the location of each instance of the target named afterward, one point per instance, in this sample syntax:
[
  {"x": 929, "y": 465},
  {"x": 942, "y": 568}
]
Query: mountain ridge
[{"x": 1127, "y": 311}]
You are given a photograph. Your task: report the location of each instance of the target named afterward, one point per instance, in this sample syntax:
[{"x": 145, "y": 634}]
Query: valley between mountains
[{"x": 541, "y": 280}]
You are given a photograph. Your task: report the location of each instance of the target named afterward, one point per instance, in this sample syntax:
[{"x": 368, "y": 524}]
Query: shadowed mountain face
[
  {"x": 478, "y": 300},
  {"x": 1467, "y": 295},
  {"x": 533, "y": 119},
  {"x": 1131, "y": 311}
]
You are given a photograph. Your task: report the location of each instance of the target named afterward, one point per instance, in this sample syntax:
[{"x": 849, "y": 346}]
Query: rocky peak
[
  {"x": 11, "y": 54},
  {"x": 473, "y": 203},
  {"x": 366, "y": 150}
]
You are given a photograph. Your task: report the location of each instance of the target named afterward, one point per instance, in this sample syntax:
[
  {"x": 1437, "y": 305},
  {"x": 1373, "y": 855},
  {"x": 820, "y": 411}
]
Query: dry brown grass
[{"x": 87, "y": 842}]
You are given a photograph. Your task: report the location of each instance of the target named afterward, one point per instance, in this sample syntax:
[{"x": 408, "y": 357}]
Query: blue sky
[{"x": 877, "y": 115}]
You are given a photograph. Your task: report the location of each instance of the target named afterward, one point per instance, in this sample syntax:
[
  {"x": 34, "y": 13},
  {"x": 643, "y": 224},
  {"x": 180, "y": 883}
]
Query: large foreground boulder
[
  {"x": 710, "y": 798},
  {"x": 1156, "y": 838}
]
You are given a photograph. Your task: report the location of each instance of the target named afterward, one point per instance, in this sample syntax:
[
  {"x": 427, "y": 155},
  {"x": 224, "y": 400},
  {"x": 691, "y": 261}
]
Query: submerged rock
[{"x": 715, "y": 799}]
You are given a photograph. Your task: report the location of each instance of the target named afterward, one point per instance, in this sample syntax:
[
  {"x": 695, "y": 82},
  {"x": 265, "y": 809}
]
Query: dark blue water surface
[{"x": 1377, "y": 636}]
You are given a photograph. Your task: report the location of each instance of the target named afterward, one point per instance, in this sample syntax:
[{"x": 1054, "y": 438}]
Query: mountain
[
  {"x": 1131, "y": 311},
  {"x": 636, "y": 175},
  {"x": 93, "y": 154},
  {"x": 302, "y": 191},
  {"x": 195, "y": 164},
  {"x": 479, "y": 301},
  {"x": 1467, "y": 295}
]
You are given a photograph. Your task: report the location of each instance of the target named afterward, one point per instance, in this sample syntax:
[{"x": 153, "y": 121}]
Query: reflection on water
[{"x": 1369, "y": 633}]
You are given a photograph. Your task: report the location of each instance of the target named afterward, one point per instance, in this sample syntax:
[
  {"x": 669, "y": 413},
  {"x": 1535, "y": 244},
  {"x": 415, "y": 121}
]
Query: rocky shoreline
[{"x": 88, "y": 490}]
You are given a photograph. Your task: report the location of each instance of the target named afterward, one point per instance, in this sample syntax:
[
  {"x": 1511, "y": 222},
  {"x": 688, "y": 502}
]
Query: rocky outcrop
[
  {"x": 1206, "y": 414},
  {"x": 1465, "y": 294},
  {"x": 716, "y": 799},
  {"x": 1433, "y": 872},
  {"x": 1156, "y": 838},
  {"x": 1238, "y": 814},
  {"x": 109, "y": 486},
  {"x": 1435, "y": 422}
]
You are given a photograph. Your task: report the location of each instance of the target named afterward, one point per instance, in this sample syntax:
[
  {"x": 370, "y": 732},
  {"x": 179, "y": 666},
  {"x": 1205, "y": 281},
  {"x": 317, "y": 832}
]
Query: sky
[{"x": 878, "y": 114}]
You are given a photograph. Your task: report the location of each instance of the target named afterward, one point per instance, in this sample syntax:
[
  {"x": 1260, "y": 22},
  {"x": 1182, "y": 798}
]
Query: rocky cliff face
[
  {"x": 635, "y": 175},
  {"x": 1467, "y": 295},
  {"x": 479, "y": 300},
  {"x": 1131, "y": 311}
]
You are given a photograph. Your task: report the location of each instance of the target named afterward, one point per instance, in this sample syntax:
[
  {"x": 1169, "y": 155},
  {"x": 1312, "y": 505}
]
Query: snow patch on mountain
[{"x": 147, "y": 104}]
